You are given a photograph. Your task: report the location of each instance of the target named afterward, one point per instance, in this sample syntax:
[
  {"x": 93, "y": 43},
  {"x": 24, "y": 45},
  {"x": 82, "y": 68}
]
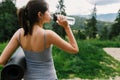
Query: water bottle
[{"x": 71, "y": 20}]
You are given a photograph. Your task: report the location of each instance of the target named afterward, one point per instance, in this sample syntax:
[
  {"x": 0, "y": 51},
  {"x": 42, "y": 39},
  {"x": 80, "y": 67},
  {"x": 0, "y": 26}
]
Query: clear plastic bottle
[{"x": 71, "y": 20}]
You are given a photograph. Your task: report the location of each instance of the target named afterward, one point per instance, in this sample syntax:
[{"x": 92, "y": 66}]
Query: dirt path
[{"x": 114, "y": 52}]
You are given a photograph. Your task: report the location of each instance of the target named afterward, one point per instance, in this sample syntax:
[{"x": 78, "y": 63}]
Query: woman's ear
[{"x": 39, "y": 15}]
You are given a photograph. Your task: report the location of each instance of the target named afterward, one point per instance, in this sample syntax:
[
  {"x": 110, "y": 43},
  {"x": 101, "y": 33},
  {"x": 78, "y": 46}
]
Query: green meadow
[{"x": 90, "y": 63}]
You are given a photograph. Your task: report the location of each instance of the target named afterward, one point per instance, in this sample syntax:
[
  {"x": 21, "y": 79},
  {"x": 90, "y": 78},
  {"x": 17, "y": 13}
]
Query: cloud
[
  {"x": 21, "y": 3},
  {"x": 111, "y": 8},
  {"x": 77, "y": 7},
  {"x": 72, "y": 6},
  {"x": 85, "y": 7},
  {"x": 82, "y": 7},
  {"x": 103, "y": 2}
]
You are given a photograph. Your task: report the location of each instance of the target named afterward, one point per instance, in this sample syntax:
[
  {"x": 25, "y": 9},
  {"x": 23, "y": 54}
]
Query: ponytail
[
  {"x": 24, "y": 22},
  {"x": 28, "y": 15}
]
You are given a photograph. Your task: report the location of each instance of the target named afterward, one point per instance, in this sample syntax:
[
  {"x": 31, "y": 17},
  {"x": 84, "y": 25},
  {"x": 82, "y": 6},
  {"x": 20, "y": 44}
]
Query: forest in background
[{"x": 84, "y": 28}]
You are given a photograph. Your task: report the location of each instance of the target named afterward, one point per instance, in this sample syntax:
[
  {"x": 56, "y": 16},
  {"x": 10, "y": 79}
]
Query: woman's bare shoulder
[
  {"x": 18, "y": 32},
  {"x": 50, "y": 32}
]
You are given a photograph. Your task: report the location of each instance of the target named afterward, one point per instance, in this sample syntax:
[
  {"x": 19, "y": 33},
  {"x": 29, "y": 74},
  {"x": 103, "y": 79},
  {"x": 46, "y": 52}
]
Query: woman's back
[
  {"x": 34, "y": 42},
  {"x": 40, "y": 65}
]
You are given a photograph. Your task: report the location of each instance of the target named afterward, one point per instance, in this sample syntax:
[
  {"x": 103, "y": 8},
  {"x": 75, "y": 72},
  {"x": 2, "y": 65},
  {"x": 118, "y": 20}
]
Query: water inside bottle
[{"x": 71, "y": 20}]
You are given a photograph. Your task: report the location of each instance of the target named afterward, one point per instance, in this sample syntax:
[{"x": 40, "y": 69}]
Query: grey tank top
[{"x": 40, "y": 65}]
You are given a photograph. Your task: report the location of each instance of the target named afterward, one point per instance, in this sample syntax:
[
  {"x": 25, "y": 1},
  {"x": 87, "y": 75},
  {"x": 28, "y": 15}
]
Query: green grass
[
  {"x": 2, "y": 46},
  {"x": 91, "y": 61}
]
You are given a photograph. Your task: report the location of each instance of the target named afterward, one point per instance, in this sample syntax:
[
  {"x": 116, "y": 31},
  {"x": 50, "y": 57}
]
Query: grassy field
[{"x": 91, "y": 61}]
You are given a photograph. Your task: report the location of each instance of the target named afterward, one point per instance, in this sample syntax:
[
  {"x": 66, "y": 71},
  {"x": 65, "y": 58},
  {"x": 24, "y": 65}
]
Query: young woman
[{"x": 36, "y": 41}]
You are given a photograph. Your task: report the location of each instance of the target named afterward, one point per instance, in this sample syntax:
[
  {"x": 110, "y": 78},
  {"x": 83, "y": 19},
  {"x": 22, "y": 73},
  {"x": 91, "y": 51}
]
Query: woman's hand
[{"x": 62, "y": 21}]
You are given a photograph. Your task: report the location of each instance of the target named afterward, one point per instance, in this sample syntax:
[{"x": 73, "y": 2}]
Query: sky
[{"x": 81, "y": 7}]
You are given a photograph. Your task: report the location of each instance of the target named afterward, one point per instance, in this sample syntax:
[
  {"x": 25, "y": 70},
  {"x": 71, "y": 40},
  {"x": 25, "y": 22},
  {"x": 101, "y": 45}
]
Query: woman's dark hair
[{"x": 28, "y": 15}]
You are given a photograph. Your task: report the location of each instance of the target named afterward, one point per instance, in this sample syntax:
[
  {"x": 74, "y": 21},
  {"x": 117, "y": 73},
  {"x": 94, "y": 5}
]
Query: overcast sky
[{"x": 82, "y": 7}]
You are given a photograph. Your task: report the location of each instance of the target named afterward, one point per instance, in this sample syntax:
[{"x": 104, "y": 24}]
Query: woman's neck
[{"x": 38, "y": 25}]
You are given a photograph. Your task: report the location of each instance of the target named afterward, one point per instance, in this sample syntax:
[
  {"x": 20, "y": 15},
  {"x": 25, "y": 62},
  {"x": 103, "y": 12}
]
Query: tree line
[
  {"x": 8, "y": 20},
  {"x": 90, "y": 29}
]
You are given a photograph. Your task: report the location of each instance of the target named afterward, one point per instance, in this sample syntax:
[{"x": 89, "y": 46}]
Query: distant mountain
[
  {"x": 107, "y": 17},
  {"x": 103, "y": 17}
]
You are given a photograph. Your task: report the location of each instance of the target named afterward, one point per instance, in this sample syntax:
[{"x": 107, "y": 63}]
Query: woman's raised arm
[{"x": 70, "y": 46}]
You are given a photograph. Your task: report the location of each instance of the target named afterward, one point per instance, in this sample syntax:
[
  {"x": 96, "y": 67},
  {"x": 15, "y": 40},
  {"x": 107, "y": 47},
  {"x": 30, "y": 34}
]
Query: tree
[
  {"x": 81, "y": 35},
  {"x": 8, "y": 20},
  {"x": 115, "y": 29},
  {"x": 91, "y": 29},
  {"x": 104, "y": 32},
  {"x": 60, "y": 10}
]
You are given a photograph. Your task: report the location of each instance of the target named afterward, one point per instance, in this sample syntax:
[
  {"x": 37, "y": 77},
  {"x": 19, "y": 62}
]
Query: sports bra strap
[
  {"x": 19, "y": 37},
  {"x": 44, "y": 39}
]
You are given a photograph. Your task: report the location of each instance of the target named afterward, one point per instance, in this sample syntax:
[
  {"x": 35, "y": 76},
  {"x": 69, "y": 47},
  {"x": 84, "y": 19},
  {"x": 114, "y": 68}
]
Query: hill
[
  {"x": 107, "y": 17},
  {"x": 102, "y": 20},
  {"x": 102, "y": 17}
]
